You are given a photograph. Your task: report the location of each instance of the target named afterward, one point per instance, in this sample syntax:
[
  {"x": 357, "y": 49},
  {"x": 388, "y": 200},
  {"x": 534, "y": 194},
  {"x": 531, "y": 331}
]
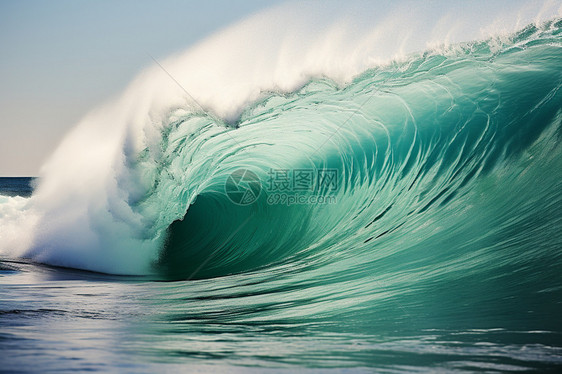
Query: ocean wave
[{"x": 444, "y": 162}]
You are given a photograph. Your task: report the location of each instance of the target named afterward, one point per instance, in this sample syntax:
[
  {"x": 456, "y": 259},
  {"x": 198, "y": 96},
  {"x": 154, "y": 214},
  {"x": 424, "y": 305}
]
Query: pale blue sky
[{"x": 61, "y": 58}]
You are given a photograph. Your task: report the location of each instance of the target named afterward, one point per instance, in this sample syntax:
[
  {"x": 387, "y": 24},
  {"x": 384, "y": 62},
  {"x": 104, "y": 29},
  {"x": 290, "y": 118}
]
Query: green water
[{"x": 440, "y": 250}]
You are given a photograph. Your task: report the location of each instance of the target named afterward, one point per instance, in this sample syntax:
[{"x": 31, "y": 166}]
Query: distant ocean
[
  {"x": 410, "y": 220},
  {"x": 16, "y": 186}
]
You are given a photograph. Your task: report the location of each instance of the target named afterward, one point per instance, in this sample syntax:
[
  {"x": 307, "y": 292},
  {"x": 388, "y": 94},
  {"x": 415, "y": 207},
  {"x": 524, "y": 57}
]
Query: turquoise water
[
  {"x": 54, "y": 320},
  {"x": 437, "y": 245}
]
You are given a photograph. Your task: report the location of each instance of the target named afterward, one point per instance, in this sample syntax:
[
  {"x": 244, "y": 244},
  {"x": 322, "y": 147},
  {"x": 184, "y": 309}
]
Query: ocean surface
[{"x": 409, "y": 219}]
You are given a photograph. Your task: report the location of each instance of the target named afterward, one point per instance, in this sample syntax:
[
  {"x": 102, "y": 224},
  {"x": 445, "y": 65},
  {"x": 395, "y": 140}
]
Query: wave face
[{"x": 447, "y": 164}]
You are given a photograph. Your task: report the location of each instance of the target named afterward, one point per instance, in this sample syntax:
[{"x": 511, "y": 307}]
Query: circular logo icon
[{"x": 242, "y": 187}]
